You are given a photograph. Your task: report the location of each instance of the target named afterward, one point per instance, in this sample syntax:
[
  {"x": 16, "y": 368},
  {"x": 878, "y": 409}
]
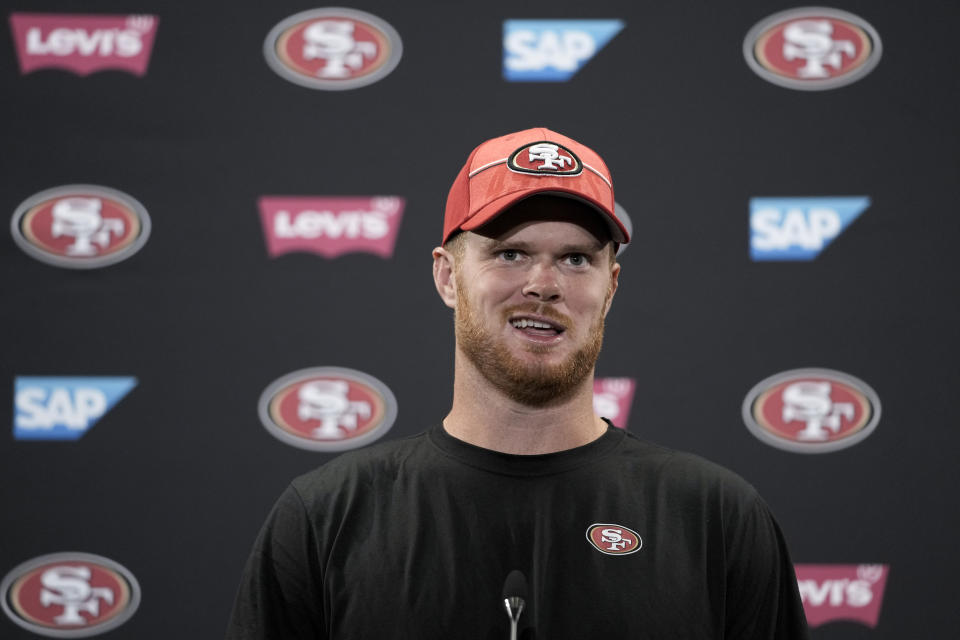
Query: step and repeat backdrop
[{"x": 217, "y": 273}]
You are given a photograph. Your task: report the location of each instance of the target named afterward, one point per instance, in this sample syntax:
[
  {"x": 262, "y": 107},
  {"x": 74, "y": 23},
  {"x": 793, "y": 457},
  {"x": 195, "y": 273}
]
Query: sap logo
[
  {"x": 64, "y": 408},
  {"x": 552, "y": 50},
  {"x": 799, "y": 228}
]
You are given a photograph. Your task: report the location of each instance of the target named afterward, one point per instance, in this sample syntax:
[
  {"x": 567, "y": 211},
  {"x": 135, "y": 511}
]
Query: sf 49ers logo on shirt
[
  {"x": 69, "y": 595},
  {"x": 545, "y": 158},
  {"x": 333, "y": 49},
  {"x": 614, "y": 539}
]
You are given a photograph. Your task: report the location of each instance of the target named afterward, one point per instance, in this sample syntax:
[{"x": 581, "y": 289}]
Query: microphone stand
[{"x": 514, "y": 599}]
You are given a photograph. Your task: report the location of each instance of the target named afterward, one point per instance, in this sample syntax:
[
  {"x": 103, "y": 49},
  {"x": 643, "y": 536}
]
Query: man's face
[{"x": 532, "y": 290}]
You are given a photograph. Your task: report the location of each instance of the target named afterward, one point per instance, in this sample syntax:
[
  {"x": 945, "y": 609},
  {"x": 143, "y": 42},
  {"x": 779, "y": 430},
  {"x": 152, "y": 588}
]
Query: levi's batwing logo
[
  {"x": 614, "y": 539},
  {"x": 545, "y": 158}
]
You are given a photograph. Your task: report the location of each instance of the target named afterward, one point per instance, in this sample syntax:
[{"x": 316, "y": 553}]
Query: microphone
[{"x": 514, "y": 598}]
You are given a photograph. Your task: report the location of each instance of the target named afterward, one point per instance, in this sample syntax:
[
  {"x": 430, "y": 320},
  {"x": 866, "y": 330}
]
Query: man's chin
[
  {"x": 536, "y": 391},
  {"x": 535, "y": 380}
]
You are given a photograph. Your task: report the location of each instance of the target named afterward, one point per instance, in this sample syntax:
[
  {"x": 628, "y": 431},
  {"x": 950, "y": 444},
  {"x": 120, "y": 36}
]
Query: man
[{"x": 618, "y": 538}]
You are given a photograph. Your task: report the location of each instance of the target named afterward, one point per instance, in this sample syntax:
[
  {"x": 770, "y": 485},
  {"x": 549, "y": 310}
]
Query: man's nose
[{"x": 543, "y": 284}]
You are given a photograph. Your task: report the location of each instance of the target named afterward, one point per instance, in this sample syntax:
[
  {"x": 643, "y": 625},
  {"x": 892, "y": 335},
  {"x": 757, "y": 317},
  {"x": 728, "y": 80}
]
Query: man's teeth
[{"x": 523, "y": 324}]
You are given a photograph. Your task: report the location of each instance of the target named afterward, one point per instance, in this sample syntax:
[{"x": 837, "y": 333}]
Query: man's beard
[{"x": 533, "y": 384}]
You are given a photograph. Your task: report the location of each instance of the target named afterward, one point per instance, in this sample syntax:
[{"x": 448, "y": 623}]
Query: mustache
[{"x": 538, "y": 309}]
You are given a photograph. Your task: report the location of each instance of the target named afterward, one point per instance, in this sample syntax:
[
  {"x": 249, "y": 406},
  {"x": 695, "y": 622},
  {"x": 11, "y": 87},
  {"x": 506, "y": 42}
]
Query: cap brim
[{"x": 491, "y": 210}]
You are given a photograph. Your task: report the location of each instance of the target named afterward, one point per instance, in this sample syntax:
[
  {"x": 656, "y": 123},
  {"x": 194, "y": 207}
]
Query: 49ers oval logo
[
  {"x": 812, "y": 48},
  {"x": 327, "y": 409},
  {"x": 614, "y": 539},
  {"x": 69, "y": 595},
  {"x": 333, "y": 49},
  {"x": 80, "y": 226},
  {"x": 811, "y": 410},
  {"x": 545, "y": 158}
]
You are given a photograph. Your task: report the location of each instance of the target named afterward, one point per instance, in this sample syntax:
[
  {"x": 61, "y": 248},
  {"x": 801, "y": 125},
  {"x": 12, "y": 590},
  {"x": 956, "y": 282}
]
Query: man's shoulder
[
  {"x": 372, "y": 464},
  {"x": 687, "y": 471}
]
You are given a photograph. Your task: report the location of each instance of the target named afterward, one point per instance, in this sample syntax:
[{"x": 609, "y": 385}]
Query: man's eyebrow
[
  {"x": 591, "y": 247},
  {"x": 494, "y": 244}
]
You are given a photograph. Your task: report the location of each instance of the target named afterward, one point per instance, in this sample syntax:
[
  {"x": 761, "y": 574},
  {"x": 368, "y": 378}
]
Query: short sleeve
[
  {"x": 763, "y": 601},
  {"x": 280, "y": 593}
]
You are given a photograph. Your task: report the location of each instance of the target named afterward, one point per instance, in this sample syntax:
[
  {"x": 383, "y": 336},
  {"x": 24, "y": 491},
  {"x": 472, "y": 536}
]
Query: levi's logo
[
  {"x": 832, "y": 592},
  {"x": 331, "y": 226},
  {"x": 612, "y": 398},
  {"x": 545, "y": 158},
  {"x": 83, "y": 43},
  {"x": 614, "y": 539}
]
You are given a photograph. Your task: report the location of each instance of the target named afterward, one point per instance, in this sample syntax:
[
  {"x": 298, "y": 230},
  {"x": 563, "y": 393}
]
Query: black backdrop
[{"x": 175, "y": 481}]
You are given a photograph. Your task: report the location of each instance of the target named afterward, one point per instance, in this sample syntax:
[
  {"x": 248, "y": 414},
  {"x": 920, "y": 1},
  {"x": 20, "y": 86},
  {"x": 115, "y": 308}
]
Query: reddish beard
[{"x": 535, "y": 384}]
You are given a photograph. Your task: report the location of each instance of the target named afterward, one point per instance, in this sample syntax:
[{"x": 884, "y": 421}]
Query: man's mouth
[{"x": 540, "y": 327}]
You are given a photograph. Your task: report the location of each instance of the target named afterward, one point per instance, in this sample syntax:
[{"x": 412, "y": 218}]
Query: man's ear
[
  {"x": 614, "y": 283},
  {"x": 444, "y": 277}
]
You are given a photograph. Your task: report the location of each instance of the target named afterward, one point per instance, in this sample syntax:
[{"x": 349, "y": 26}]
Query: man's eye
[
  {"x": 577, "y": 259},
  {"x": 510, "y": 254}
]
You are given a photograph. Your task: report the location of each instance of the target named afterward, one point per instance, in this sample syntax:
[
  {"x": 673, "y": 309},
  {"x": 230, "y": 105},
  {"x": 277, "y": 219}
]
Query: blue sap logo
[
  {"x": 63, "y": 408},
  {"x": 799, "y": 228},
  {"x": 552, "y": 50}
]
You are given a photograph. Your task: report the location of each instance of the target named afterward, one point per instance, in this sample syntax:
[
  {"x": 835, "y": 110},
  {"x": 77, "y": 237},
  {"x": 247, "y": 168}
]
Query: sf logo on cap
[
  {"x": 549, "y": 155},
  {"x": 545, "y": 158}
]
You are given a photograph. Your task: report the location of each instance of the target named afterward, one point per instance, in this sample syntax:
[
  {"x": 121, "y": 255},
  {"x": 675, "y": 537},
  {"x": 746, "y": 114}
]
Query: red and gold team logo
[
  {"x": 333, "y": 49},
  {"x": 812, "y": 48},
  {"x": 545, "y": 158},
  {"x": 811, "y": 410},
  {"x": 327, "y": 409},
  {"x": 80, "y": 226},
  {"x": 614, "y": 539},
  {"x": 69, "y": 595}
]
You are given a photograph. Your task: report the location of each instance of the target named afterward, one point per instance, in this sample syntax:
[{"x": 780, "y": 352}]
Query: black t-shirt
[{"x": 619, "y": 538}]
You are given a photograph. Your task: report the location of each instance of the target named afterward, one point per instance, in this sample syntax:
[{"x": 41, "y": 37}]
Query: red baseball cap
[{"x": 502, "y": 171}]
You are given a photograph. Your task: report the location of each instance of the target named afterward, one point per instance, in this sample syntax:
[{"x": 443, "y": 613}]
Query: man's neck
[{"x": 483, "y": 416}]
